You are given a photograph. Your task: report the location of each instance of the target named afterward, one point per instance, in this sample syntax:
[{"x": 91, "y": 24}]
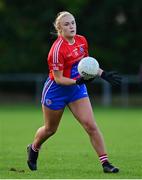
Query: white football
[{"x": 88, "y": 67}]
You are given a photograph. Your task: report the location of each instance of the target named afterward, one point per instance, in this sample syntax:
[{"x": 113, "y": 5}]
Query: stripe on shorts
[{"x": 46, "y": 88}]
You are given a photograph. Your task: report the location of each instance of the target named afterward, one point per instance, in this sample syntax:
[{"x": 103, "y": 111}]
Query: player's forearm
[
  {"x": 65, "y": 81},
  {"x": 62, "y": 80}
]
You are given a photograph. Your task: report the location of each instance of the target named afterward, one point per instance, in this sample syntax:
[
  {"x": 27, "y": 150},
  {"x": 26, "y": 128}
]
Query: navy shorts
[{"x": 55, "y": 96}]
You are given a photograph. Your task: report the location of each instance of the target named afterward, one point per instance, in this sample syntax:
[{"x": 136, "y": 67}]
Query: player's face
[{"x": 68, "y": 26}]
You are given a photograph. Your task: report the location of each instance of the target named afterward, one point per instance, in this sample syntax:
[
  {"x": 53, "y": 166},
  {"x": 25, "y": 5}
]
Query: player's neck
[{"x": 70, "y": 40}]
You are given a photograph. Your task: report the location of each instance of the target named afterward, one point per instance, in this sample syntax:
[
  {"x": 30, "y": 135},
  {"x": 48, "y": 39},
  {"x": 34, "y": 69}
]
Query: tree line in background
[{"x": 112, "y": 28}]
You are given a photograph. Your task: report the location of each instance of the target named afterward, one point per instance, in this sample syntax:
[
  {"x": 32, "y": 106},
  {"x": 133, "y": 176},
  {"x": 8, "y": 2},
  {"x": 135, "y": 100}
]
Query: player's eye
[
  {"x": 73, "y": 22},
  {"x": 66, "y": 24}
]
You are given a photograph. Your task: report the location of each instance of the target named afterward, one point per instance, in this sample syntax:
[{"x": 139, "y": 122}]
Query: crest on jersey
[
  {"x": 48, "y": 102},
  {"x": 81, "y": 49}
]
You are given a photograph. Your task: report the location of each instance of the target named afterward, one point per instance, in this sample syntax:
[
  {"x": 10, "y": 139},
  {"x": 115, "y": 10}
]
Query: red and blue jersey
[{"x": 65, "y": 57}]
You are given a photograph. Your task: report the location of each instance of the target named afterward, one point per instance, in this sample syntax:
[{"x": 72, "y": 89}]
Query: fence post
[
  {"x": 124, "y": 92},
  {"x": 38, "y": 91},
  {"x": 106, "y": 96}
]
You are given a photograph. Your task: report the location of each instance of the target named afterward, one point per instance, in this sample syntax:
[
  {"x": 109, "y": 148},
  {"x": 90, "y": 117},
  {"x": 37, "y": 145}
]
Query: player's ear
[{"x": 59, "y": 28}]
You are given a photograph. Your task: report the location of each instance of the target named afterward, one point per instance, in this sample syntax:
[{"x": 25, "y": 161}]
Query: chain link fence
[{"x": 23, "y": 88}]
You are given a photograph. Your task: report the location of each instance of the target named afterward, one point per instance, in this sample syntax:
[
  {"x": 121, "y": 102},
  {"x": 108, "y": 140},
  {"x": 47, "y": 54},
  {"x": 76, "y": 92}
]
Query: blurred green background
[{"x": 113, "y": 29}]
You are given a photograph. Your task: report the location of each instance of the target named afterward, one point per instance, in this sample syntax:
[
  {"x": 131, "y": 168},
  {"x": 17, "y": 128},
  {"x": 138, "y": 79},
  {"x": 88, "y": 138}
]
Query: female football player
[{"x": 64, "y": 87}]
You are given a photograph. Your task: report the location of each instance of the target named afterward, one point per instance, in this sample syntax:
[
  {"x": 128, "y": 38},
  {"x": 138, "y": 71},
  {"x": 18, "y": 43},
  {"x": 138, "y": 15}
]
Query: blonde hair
[{"x": 60, "y": 15}]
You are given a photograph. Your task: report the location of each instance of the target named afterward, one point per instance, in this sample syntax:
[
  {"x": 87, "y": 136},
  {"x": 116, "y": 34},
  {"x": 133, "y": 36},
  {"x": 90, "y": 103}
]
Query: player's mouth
[{"x": 72, "y": 31}]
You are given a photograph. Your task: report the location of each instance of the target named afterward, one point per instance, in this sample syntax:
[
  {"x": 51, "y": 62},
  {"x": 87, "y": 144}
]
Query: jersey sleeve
[{"x": 56, "y": 59}]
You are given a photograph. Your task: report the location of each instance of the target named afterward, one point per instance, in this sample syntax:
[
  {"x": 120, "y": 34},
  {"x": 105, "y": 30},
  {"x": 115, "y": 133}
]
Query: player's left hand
[
  {"x": 81, "y": 80},
  {"x": 112, "y": 77}
]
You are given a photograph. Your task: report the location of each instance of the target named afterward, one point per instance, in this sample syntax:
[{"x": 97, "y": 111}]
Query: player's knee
[{"x": 91, "y": 128}]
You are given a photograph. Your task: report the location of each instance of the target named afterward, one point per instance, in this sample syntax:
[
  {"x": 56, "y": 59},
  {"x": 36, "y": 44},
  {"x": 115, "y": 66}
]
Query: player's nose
[{"x": 71, "y": 26}]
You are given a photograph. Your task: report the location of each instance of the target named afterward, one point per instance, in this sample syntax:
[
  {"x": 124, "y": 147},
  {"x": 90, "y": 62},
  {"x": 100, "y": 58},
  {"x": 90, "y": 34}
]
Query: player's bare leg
[
  {"x": 85, "y": 116},
  {"x": 51, "y": 123}
]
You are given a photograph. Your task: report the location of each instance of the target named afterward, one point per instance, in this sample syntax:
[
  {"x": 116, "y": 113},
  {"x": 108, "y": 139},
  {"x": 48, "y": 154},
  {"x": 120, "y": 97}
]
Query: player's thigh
[
  {"x": 51, "y": 117},
  {"x": 82, "y": 110}
]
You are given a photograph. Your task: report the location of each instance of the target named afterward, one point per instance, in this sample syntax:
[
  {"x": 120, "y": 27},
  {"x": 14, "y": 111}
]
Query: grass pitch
[{"x": 69, "y": 154}]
